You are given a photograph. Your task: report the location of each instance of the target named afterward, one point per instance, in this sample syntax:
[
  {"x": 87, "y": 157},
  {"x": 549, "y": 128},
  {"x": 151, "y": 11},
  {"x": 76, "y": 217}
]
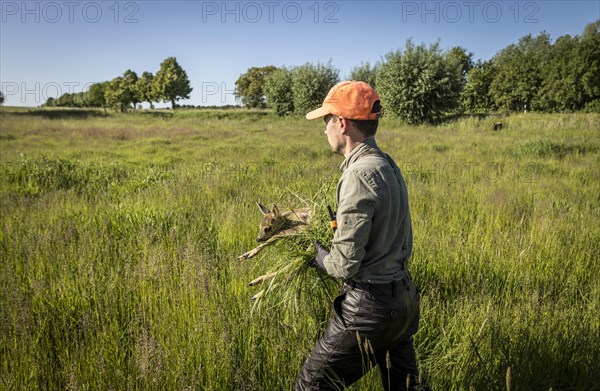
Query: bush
[
  {"x": 310, "y": 85},
  {"x": 420, "y": 84},
  {"x": 592, "y": 107},
  {"x": 278, "y": 90},
  {"x": 299, "y": 89}
]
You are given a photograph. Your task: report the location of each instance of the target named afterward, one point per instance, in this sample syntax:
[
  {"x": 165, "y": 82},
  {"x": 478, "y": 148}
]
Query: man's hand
[{"x": 321, "y": 254}]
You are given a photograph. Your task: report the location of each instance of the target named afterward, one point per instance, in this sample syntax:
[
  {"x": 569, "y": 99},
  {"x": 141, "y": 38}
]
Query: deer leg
[
  {"x": 256, "y": 250},
  {"x": 262, "y": 278}
]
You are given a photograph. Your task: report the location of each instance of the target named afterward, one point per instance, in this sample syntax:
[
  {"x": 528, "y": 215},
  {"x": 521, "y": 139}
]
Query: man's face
[{"x": 333, "y": 133}]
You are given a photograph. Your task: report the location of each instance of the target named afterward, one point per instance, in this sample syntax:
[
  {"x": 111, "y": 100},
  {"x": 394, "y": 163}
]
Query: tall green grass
[{"x": 119, "y": 237}]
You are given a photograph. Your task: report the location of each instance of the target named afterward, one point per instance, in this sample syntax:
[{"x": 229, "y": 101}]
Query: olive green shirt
[{"x": 374, "y": 234}]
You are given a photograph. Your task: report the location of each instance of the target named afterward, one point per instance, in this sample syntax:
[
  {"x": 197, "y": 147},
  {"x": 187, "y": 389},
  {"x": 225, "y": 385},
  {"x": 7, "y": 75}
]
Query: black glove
[{"x": 321, "y": 254}]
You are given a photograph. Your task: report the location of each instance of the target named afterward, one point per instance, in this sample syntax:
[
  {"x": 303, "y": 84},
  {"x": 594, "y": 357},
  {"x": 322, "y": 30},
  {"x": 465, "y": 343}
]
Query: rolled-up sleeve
[{"x": 354, "y": 219}]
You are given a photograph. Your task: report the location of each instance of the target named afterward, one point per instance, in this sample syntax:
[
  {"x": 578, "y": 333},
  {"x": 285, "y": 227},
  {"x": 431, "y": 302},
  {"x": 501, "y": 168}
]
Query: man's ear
[{"x": 344, "y": 124}]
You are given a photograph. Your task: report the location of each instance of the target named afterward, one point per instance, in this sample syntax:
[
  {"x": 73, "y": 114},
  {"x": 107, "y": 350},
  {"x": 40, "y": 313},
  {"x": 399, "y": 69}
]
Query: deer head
[{"x": 272, "y": 222}]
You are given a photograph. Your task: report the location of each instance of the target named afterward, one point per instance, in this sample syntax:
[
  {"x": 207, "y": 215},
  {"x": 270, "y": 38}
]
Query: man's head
[
  {"x": 354, "y": 100},
  {"x": 351, "y": 111}
]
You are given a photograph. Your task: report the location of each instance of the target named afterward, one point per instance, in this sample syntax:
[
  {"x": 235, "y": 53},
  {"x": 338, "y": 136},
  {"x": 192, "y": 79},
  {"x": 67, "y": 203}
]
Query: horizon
[{"x": 51, "y": 48}]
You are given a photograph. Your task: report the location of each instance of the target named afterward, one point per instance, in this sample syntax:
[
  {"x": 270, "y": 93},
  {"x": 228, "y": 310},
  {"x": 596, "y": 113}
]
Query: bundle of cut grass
[{"x": 283, "y": 266}]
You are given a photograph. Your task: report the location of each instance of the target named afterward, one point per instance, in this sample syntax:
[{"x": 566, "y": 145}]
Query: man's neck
[{"x": 353, "y": 143}]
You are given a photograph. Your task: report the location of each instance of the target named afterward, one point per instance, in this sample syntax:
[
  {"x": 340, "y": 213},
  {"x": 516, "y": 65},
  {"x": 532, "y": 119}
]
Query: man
[{"x": 378, "y": 313}]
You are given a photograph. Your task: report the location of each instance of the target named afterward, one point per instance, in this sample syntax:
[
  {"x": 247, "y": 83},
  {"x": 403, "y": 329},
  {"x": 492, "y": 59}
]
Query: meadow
[{"x": 119, "y": 237}]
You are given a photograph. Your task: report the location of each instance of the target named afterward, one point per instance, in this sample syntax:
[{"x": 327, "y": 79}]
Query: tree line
[
  {"x": 423, "y": 83},
  {"x": 418, "y": 83},
  {"x": 170, "y": 84}
]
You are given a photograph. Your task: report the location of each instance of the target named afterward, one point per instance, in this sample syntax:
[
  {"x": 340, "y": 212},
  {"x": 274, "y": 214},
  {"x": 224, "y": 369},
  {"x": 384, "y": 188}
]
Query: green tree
[
  {"x": 419, "y": 84},
  {"x": 562, "y": 88},
  {"x": 365, "y": 72},
  {"x": 65, "y": 100},
  {"x": 572, "y": 75},
  {"x": 310, "y": 85},
  {"x": 171, "y": 82},
  {"x": 476, "y": 95},
  {"x": 461, "y": 59},
  {"x": 117, "y": 94},
  {"x": 589, "y": 54},
  {"x": 144, "y": 89},
  {"x": 79, "y": 99},
  {"x": 1, "y": 97},
  {"x": 278, "y": 91},
  {"x": 96, "y": 95},
  {"x": 130, "y": 79},
  {"x": 519, "y": 73},
  {"x": 249, "y": 87}
]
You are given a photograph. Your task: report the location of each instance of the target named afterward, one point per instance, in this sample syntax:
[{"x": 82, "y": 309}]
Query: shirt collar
[{"x": 363, "y": 147}]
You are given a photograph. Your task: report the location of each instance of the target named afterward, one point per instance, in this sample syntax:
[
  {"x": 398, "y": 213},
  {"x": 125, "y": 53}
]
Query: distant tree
[
  {"x": 249, "y": 87},
  {"x": 278, "y": 91},
  {"x": 79, "y": 99},
  {"x": 364, "y": 72},
  {"x": 171, "y": 82},
  {"x": 68, "y": 100},
  {"x": 535, "y": 74},
  {"x": 1, "y": 97},
  {"x": 476, "y": 96},
  {"x": 519, "y": 73},
  {"x": 561, "y": 88},
  {"x": 130, "y": 79},
  {"x": 96, "y": 95},
  {"x": 571, "y": 74},
  {"x": 50, "y": 102},
  {"x": 419, "y": 84},
  {"x": 144, "y": 89},
  {"x": 310, "y": 85},
  {"x": 65, "y": 100},
  {"x": 589, "y": 54},
  {"x": 117, "y": 94},
  {"x": 463, "y": 60}
]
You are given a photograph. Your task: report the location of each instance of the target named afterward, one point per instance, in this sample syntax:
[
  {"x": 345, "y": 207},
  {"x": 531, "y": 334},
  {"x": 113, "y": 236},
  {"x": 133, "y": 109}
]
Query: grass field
[{"x": 119, "y": 237}]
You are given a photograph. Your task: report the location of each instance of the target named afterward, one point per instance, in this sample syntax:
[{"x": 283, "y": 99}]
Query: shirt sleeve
[{"x": 356, "y": 205}]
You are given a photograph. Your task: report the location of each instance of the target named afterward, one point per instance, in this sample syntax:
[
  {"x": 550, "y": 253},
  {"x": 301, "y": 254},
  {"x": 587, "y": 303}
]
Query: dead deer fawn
[{"x": 276, "y": 224}]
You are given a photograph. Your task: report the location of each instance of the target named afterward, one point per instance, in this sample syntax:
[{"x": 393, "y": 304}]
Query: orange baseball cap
[{"x": 350, "y": 99}]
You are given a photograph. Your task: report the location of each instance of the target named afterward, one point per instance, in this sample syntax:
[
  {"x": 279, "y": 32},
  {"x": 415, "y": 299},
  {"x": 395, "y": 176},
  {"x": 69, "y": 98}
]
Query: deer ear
[
  {"x": 275, "y": 210},
  {"x": 263, "y": 209}
]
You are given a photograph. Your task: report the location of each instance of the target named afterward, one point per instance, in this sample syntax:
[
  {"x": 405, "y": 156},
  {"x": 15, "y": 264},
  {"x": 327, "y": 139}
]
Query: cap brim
[{"x": 318, "y": 113}]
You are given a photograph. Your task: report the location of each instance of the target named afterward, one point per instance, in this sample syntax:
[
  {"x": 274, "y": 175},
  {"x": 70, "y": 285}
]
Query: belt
[{"x": 386, "y": 288}]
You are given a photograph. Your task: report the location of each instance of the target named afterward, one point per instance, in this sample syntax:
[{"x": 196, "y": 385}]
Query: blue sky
[{"x": 51, "y": 47}]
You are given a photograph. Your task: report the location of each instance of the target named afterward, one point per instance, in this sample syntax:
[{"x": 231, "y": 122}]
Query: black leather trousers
[{"x": 372, "y": 326}]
